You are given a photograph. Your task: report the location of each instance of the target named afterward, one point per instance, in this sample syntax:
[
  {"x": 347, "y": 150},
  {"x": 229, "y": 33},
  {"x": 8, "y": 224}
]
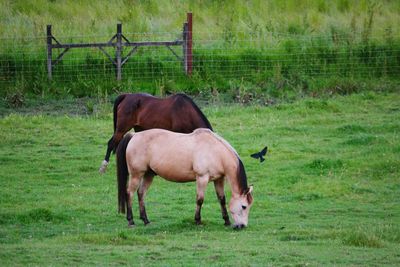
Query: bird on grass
[{"x": 260, "y": 155}]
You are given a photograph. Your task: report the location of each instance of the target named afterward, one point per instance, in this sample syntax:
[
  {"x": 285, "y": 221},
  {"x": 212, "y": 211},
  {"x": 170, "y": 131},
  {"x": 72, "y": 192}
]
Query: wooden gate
[{"x": 119, "y": 41}]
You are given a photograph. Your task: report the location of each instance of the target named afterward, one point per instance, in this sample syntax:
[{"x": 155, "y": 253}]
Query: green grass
[
  {"x": 312, "y": 16},
  {"x": 327, "y": 193}
]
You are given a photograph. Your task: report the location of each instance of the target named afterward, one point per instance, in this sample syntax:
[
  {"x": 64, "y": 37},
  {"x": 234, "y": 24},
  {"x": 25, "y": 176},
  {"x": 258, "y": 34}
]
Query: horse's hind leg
[
  {"x": 133, "y": 185},
  {"x": 219, "y": 189},
  {"x": 144, "y": 186},
  {"x": 129, "y": 215},
  {"x": 111, "y": 146},
  {"x": 201, "y": 184}
]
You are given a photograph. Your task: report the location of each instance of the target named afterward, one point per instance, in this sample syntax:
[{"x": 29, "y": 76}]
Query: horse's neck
[
  {"x": 233, "y": 180},
  {"x": 231, "y": 166}
]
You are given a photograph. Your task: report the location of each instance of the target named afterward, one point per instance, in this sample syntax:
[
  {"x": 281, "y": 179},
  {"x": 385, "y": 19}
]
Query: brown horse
[
  {"x": 177, "y": 113},
  {"x": 201, "y": 156}
]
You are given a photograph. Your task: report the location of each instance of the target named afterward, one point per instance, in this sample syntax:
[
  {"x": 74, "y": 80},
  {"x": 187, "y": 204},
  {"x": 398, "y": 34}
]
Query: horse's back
[
  {"x": 161, "y": 139},
  {"x": 178, "y": 157},
  {"x": 177, "y": 113},
  {"x": 135, "y": 100}
]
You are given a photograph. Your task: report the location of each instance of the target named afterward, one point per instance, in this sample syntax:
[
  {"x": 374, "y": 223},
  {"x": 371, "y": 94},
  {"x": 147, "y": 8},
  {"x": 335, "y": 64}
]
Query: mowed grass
[{"x": 327, "y": 194}]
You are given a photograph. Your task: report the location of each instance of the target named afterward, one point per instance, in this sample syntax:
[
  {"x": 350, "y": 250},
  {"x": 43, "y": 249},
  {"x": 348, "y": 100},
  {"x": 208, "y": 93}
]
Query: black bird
[{"x": 259, "y": 155}]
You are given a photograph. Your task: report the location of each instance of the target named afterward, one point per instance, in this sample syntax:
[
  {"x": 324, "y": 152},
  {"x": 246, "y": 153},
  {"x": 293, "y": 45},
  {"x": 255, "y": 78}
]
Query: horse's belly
[
  {"x": 174, "y": 168},
  {"x": 180, "y": 176}
]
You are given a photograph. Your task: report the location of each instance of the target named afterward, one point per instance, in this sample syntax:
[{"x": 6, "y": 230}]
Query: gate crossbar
[{"x": 116, "y": 42}]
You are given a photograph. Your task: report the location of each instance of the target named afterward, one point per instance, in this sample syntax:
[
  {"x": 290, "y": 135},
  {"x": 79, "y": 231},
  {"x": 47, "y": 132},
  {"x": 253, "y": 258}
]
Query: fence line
[{"x": 249, "y": 57}]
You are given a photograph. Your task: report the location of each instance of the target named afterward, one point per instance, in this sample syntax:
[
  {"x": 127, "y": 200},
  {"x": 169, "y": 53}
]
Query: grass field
[{"x": 327, "y": 194}]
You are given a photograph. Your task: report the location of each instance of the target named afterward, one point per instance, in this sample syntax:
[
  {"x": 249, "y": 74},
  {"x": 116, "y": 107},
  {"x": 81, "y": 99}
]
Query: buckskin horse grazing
[
  {"x": 201, "y": 156},
  {"x": 177, "y": 113}
]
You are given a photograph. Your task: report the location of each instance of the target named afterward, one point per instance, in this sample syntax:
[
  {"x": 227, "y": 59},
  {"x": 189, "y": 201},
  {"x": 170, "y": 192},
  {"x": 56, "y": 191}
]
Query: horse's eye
[{"x": 244, "y": 207}]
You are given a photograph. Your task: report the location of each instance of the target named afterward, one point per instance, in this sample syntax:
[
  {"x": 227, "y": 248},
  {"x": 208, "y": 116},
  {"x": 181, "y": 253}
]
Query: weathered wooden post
[
  {"x": 119, "y": 51},
  {"x": 49, "y": 52},
  {"x": 189, "y": 44},
  {"x": 184, "y": 46}
]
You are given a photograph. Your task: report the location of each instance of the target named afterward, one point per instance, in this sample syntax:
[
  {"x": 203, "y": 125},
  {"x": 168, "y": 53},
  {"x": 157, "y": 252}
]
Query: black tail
[
  {"x": 122, "y": 172},
  {"x": 117, "y": 101}
]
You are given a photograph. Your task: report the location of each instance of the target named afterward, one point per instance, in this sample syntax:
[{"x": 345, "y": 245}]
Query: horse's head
[{"x": 240, "y": 208}]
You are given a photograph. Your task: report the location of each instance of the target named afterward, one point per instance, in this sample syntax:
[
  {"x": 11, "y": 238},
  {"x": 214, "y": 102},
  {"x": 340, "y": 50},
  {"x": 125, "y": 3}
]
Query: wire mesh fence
[{"x": 216, "y": 57}]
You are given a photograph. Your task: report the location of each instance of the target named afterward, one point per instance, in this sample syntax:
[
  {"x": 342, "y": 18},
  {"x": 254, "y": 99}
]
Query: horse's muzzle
[{"x": 239, "y": 226}]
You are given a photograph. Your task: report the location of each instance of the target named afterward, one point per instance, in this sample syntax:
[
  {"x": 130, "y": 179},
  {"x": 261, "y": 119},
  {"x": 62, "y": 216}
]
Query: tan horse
[{"x": 201, "y": 156}]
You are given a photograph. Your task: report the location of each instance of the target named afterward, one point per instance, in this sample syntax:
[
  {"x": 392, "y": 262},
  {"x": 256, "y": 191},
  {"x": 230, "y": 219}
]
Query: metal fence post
[
  {"x": 49, "y": 52},
  {"x": 119, "y": 51}
]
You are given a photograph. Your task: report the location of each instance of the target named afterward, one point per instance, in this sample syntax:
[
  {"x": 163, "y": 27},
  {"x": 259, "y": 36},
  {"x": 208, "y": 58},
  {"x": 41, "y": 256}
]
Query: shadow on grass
[{"x": 39, "y": 215}]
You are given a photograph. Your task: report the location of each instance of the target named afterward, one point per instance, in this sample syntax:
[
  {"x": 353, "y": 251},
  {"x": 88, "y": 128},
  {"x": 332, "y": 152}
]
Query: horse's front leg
[
  {"x": 144, "y": 186},
  {"x": 132, "y": 187},
  {"x": 219, "y": 189},
  {"x": 201, "y": 185}
]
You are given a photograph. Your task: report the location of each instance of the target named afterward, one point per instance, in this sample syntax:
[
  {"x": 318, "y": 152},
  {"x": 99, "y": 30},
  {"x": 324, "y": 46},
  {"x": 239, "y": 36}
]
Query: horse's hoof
[
  {"x": 103, "y": 167},
  {"x": 146, "y": 223},
  {"x": 227, "y": 223}
]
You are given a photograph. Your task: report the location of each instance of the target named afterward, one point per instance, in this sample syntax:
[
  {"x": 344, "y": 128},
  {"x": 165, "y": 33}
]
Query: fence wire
[{"x": 215, "y": 56}]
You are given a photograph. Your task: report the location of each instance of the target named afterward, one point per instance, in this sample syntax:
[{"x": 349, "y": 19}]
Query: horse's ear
[
  {"x": 248, "y": 194},
  {"x": 250, "y": 189}
]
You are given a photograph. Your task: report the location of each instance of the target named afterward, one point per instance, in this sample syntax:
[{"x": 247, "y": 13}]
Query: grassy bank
[
  {"x": 327, "y": 193},
  {"x": 262, "y": 48}
]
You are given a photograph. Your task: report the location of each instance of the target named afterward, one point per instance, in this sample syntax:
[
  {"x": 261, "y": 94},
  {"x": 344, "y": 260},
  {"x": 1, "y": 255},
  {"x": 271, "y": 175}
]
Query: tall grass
[
  {"x": 271, "y": 48},
  {"x": 74, "y": 18}
]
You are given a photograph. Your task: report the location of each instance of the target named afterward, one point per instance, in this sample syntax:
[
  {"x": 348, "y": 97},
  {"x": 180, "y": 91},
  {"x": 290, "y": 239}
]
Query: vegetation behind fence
[{"x": 338, "y": 47}]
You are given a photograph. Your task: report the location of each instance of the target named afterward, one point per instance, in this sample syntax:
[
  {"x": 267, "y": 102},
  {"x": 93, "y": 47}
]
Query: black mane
[
  {"x": 203, "y": 117},
  {"x": 241, "y": 174}
]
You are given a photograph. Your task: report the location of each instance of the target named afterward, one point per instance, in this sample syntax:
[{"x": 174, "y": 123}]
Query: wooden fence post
[
  {"x": 119, "y": 51},
  {"x": 189, "y": 44},
  {"x": 184, "y": 46},
  {"x": 49, "y": 52}
]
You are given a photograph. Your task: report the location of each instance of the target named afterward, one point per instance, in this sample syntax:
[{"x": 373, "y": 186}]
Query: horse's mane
[
  {"x": 242, "y": 177},
  {"x": 241, "y": 173},
  {"x": 203, "y": 117}
]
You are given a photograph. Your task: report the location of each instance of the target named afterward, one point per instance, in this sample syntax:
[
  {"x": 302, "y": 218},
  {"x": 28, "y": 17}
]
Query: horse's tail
[
  {"x": 122, "y": 172},
  {"x": 117, "y": 101}
]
